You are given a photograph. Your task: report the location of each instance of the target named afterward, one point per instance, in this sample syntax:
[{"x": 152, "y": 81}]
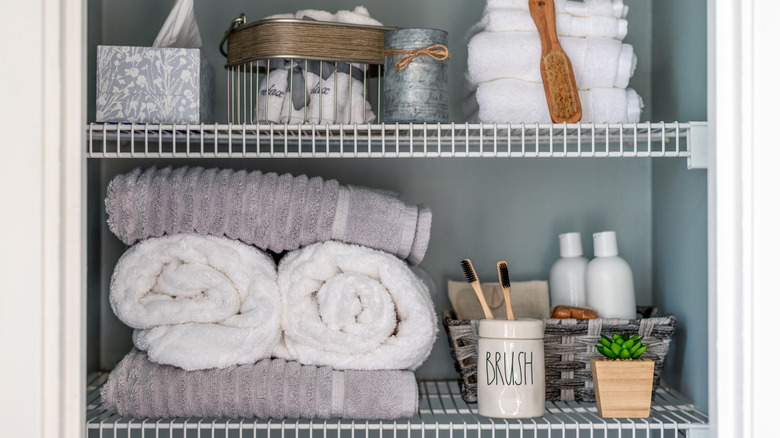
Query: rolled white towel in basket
[
  {"x": 357, "y": 109},
  {"x": 597, "y": 62},
  {"x": 337, "y": 99},
  {"x": 519, "y": 20},
  {"x": 272, "y": 96},
  {"x": 198, "y": 302},
  {"x": 515, "y": 101},
  {"x": 351, "y": 307},
  {"x": 312, "y": 100},
  {"x": 329, "y": 98},
  {"x": 326, "y": 98},
  {"x": 581, "y": 8},
  {"x": 358, "y": 16}
]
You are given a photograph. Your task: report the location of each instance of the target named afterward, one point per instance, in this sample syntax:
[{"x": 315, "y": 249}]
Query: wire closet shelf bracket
[
  {"x": 130, "y": 140},
  {"x": 442, "y": 413}
]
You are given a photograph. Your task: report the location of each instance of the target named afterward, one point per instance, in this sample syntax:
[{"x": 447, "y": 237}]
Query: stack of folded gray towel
[
  {"x": 269, "y": 211},
  {"x": 221, "y": 331},
  {"x": 269, "y": 388}
]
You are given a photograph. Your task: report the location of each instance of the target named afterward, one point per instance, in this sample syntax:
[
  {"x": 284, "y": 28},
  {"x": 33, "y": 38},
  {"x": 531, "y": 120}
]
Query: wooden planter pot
[{"x": 623, "y": 388}]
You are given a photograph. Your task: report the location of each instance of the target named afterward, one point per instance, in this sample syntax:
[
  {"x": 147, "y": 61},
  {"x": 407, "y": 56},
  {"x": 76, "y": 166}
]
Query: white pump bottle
[
  {"x": 567, "y": 275},
  {"x": 609, "y": 282}
]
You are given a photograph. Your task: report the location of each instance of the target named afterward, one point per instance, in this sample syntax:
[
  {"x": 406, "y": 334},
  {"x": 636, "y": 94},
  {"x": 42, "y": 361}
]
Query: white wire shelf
[
  {"x": 442, "y": 413},
  {"x": 663, "y": 139}
]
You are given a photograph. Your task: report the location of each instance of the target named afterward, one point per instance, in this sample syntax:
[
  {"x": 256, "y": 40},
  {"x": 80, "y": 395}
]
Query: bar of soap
[{"x": 564, "y": 312}]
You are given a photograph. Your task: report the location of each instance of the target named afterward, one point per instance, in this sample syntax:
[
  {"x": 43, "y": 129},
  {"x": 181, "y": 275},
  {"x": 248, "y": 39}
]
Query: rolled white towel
[
  {"x": 291, "y": 113},
  {"x": 597, "y": 62},
  {"x": 339, "y": 98},
  {"x": 326, "y": 98},
  {"x": 357, "y": 109},
  {"x": 519, "y": 20},
  {"x": 351, "y": 307},
  {"x": 198, "y": 302},
  {"x": 330, "y": 101},
  {"x": 581, "y": 8},
  {"x": 272, "y": 96},
  {"x": 359, "y": 15},
  {"x": 515, "y": 101}
]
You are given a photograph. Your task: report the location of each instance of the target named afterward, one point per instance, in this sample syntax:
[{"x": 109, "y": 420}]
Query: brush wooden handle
[
  {"x": 543, "y": 14},
  {"x": 510, "y": 315},
  {"x": 481, "y": 296}
]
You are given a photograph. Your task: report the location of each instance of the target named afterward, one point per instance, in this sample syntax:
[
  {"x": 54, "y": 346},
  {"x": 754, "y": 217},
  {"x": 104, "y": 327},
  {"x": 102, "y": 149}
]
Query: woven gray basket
[{"x": 568, "y": 346}]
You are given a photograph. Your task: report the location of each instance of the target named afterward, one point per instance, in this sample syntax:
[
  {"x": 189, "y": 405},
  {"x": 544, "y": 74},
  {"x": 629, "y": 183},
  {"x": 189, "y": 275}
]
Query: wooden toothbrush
[
  {"x": 503, "y": 278},
  {"x": 472, "y": 278},
  {"x": 560, "y": 88}
]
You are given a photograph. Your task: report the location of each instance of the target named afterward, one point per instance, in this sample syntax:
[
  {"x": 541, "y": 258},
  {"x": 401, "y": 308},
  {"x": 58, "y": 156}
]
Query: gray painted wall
[
  {"x": 679, "y": 198},
  {"x": 485, "y": 209}
]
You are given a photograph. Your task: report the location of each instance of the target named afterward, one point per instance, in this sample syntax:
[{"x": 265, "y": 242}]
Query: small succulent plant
[{"x": 619, "y": 348}]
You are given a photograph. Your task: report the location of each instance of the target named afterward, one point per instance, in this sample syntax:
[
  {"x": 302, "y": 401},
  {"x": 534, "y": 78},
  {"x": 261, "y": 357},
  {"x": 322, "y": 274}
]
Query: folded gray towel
[
  {"x": 270, "y": 211},
  {"x": 270, "y": 388}
]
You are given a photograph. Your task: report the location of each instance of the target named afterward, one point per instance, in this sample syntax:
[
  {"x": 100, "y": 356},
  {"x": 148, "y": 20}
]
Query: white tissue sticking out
[{"x": 180, "y": 28}]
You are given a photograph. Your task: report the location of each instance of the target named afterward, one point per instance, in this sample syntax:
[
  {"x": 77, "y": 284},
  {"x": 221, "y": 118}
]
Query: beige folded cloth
[{"x": 530, "y": 299}]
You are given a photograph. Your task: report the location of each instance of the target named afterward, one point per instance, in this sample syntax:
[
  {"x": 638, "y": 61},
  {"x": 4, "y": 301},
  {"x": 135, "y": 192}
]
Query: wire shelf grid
[
  {"x": 662, "y": 139},
  {"x": 442, "y": 413}
]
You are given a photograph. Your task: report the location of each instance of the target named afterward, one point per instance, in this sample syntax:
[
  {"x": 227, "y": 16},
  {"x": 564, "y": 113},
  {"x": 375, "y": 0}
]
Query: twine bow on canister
[{"x": 438, "y": 52}]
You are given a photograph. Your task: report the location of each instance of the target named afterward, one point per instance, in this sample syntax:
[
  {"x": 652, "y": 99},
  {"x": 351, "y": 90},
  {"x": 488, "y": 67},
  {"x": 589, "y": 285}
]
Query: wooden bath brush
[{"x": 560, "y": 88}]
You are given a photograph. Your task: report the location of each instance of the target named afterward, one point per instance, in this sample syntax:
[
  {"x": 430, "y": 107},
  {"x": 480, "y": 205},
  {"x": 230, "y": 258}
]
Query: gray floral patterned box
[{"x": 153, "y": 85}]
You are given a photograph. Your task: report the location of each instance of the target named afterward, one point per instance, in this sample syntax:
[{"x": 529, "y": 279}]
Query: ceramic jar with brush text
[{"x": 510, "y": 368}]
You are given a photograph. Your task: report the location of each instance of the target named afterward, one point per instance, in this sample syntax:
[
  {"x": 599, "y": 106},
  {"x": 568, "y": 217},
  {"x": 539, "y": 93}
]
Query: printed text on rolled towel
[{"x": 275, "y": 92}]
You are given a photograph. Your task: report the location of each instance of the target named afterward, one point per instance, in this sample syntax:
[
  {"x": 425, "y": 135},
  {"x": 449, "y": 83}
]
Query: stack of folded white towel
[
  {"x": 504, "y": 83},
  {"x": 296, "y": 91},
  {"x": 334, "y": 330}
]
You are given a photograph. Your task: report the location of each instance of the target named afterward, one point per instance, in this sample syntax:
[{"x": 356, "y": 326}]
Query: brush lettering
[{"x": 509, "y": 368}]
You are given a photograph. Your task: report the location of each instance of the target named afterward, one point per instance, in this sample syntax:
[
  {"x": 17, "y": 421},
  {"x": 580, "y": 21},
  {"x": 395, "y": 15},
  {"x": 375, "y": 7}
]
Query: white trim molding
[
  {"x": 761, "y": 216},
  {"x": 744, "y": 216},
  {"x": 42, "y": 174}
]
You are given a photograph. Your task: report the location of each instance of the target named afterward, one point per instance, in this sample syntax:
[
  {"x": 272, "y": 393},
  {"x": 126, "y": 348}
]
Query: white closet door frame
[
  {"x": 42, "y": 118},
  {"x": 744, "y": 216},
  {"x": 42, "y": 175}
]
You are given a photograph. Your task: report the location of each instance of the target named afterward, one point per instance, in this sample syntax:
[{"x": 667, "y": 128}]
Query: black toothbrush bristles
[
  {"x": 471, "y": 276},
  {"x": 468, "y": 270},
  {"x": 503, "y": 271},
  {"x": 503, "y": 278}
]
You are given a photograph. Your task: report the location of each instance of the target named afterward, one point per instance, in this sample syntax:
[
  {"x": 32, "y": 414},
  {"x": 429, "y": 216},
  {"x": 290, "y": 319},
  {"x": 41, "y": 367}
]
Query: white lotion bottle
[
  {"x": 567, "y": 275},
  {"x": 609, "y": 282}
]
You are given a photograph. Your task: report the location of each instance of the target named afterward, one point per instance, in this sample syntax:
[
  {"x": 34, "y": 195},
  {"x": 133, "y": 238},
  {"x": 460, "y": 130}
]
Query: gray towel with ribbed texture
[
  {"x": 270, "y": 388},
  {"x": 270, "y": 211}
]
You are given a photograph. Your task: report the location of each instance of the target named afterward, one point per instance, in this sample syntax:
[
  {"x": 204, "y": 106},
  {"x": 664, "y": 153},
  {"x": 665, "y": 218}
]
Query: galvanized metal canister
[{"x": 418, "y": 91}]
